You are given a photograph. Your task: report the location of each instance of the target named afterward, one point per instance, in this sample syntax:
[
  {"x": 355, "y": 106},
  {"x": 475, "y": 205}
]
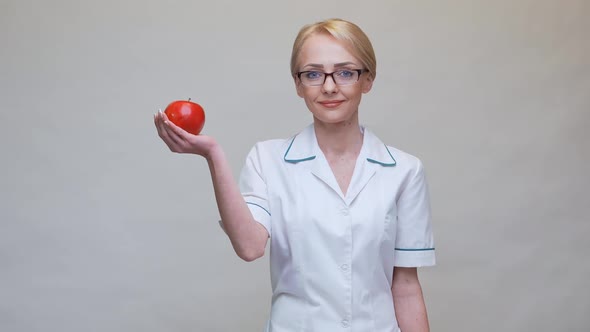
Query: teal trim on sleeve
[
  {"x": 294, "y": 161},
  {"x": 382, "y": 163},
  {"x": 265, "y": 210},
  {"x": 404, "y": 249}
]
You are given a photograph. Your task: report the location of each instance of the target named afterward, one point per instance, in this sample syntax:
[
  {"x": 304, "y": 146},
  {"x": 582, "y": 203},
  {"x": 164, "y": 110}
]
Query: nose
[{"x": 329, "y": 85}]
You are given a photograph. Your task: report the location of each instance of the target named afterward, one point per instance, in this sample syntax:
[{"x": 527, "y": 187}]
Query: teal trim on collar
[
  {"x": 382, "y": 163},
  {"x": 295, "y": 161},
  {"x": 260, "y": 206},
  {"x": 425, "y": 249}
]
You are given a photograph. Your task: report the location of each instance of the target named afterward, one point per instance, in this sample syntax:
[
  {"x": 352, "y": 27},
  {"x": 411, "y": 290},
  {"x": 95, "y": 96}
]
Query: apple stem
[{"x": 189, "y": 99}]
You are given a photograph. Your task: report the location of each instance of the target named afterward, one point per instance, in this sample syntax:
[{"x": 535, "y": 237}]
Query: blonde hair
[{"x": 347, "y": 32}]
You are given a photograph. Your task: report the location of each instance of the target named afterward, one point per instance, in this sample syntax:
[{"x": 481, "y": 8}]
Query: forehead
[{"x": 325, "y": 50}]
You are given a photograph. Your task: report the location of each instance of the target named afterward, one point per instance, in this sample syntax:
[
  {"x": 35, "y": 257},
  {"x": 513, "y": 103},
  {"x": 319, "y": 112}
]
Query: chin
[
  {"x": 334, "y": 116},
  {"x": 333, "y": 120}
]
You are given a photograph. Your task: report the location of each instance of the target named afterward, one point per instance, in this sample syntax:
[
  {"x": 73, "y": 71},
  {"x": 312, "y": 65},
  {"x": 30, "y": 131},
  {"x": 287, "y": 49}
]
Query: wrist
[{"x": 214, "y": 153}]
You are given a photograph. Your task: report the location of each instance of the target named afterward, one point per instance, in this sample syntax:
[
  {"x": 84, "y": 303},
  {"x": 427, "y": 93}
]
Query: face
[{"x": 331, "y": 103}]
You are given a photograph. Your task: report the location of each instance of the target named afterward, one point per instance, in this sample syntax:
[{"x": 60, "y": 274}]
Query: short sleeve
[
  {"x": 254, "y": 190},
  {"x": 414, "y": 244}
]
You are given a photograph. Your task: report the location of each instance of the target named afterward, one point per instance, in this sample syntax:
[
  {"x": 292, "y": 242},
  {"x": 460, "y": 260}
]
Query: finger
[
  {"x": 177, "y": 130},
  {"x": 173, "y": 135},
  {"x": 174, "y": 129},
  {"x": 157, "y": 124},
  {"x": 168, "y": 128},
  {"x": 160, "y": 125},
  {"x": 171, "y": 141}
]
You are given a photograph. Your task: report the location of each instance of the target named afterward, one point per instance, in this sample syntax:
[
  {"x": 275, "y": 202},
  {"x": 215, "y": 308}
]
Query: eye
[
  {"x": 345, "y": 73},
  {"x": 313, "y": 75}
]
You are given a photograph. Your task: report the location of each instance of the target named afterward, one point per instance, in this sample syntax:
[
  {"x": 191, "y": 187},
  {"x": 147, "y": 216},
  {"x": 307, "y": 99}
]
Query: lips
[{"x": 331, "y": 103}]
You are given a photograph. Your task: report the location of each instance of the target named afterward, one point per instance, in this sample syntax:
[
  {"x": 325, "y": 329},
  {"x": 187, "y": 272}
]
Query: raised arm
[{"x": 248, "y": 237}]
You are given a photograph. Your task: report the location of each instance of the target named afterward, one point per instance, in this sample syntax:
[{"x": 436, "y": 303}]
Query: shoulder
[
  {"x": 276, "y": 148},
  {"x": 389, "y": 155},
  {"x": 271, "y": 151},
  {"x": 271, "y": 148},
  {"x": 275, "y": 144},
  {"x": 406, "y": 160}
]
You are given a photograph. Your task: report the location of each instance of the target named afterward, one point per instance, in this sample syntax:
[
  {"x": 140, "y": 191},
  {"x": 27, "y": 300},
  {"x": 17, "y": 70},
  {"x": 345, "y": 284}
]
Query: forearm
[
  {"x": 247, "y": 236},
  {"x": 410, "y": 309}
]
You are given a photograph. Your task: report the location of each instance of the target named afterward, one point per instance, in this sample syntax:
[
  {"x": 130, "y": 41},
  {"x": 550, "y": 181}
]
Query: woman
[{"x": 347, "y": 216}]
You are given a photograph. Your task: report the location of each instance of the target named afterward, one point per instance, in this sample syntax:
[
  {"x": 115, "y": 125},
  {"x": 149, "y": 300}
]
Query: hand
[{"x": 180, "y": 141}]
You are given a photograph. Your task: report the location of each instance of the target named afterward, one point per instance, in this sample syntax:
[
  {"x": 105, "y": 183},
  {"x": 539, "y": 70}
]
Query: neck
[{"x": 339, "y": 139}]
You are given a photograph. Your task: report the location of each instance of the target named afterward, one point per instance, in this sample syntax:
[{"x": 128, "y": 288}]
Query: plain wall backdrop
[{"x": 103, "y": 229}]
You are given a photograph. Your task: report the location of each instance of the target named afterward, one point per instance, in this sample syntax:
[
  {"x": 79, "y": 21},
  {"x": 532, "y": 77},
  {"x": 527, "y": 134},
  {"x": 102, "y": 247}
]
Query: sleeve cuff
[
  {"x": 414, "y": 257},
  {"x": 261, "y": 215}
]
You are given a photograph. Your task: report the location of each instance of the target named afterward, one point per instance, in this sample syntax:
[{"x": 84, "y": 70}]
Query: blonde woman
[{"x": 347, "y": 216}]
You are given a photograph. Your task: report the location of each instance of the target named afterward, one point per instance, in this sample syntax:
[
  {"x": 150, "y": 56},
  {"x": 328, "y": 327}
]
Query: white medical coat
[{"x": 332, "y": 255}]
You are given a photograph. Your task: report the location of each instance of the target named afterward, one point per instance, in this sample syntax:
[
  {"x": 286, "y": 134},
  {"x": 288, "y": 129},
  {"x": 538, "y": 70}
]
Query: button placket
[{"x": 345, "y": 267}]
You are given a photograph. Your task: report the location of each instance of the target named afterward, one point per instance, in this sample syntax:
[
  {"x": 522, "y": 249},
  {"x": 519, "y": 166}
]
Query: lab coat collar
[{"x": 304, "y": 147}]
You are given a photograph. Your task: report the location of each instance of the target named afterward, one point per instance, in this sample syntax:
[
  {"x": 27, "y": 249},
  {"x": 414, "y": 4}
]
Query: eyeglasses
[{"x": 340, "y": 77}]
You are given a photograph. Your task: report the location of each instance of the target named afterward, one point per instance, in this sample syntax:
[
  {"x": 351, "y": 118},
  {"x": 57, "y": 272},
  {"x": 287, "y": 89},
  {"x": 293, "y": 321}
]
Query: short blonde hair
[{"x": 351, "y": 34}]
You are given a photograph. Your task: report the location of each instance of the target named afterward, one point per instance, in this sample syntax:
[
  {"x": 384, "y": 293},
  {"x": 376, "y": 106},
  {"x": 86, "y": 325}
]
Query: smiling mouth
[{"x": 331, "y": 104}]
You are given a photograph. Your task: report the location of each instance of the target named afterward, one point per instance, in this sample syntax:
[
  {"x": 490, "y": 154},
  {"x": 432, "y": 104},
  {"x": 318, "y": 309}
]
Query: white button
[
  {"x": 344, "y": 267},
  {"x": 345, "y": 323},
  {"x": 345, "y": 212}
]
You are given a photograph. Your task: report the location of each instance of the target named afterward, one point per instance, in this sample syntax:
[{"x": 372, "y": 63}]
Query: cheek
[
  {"x": 300, "y": 90},
  {"x": 307, "y": 93},
  {"x": 354, "y": 94}
]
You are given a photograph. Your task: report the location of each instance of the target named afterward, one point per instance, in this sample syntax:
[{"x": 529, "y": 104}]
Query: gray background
[{"x": 103, "y": 229}]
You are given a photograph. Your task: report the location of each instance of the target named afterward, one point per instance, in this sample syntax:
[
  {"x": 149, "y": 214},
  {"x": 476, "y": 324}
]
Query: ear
[{"x": 367, "y": 83}]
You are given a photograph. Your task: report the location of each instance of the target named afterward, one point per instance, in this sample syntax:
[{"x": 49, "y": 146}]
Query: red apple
[{"x": 186, "y": 114}]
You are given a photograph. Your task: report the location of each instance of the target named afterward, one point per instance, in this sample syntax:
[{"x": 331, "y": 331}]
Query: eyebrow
[{"x": 341, "y": 64}]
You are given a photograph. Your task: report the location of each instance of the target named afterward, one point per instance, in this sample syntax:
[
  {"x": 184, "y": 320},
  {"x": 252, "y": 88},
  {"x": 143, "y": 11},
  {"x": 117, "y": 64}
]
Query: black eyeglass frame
[{"x": 359, "y": 71}]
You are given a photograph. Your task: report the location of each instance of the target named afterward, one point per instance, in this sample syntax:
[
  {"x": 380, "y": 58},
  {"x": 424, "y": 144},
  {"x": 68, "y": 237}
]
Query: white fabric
[{"x": 332, "y": 255}]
